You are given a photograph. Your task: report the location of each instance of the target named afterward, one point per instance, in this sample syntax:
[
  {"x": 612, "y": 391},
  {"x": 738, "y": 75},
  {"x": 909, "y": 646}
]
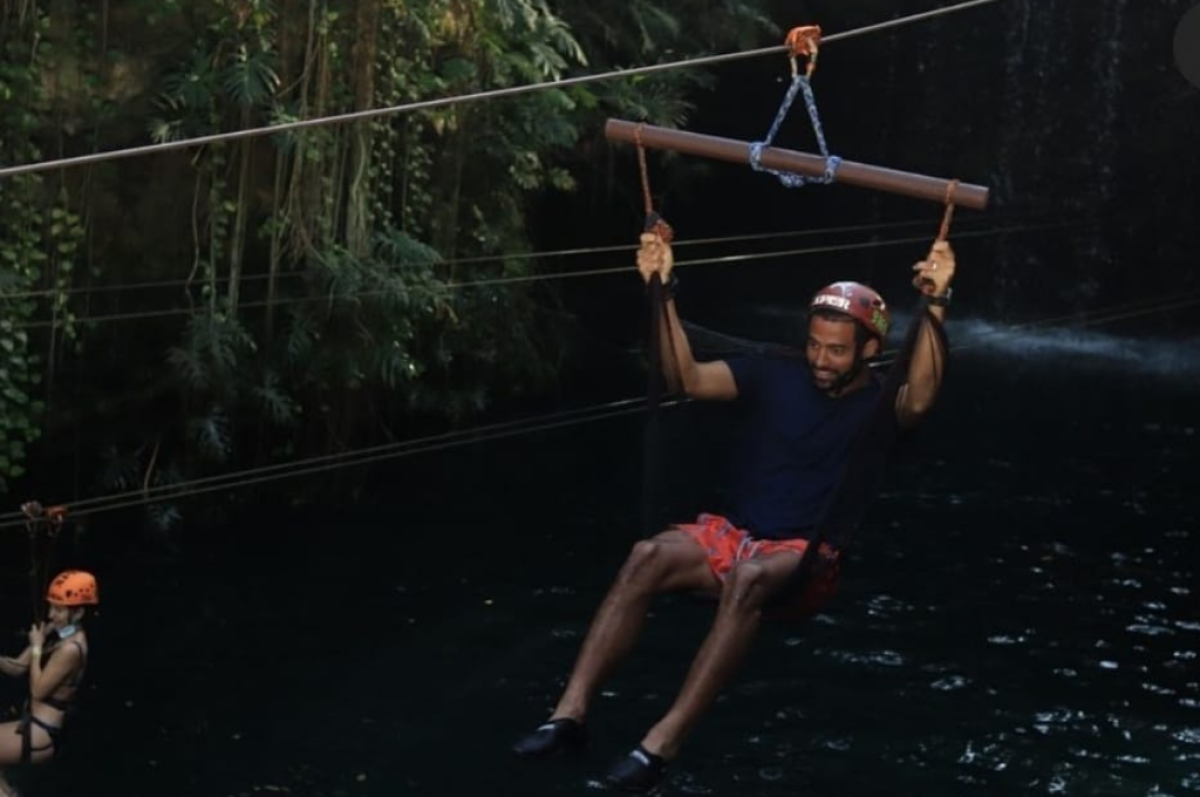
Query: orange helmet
[
  {"x": 73, "y": 588},
  {"x": 856, "y": 300}
]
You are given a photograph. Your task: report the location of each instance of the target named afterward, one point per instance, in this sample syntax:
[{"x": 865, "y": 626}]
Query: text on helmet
[{"x": 837, "y": 302}]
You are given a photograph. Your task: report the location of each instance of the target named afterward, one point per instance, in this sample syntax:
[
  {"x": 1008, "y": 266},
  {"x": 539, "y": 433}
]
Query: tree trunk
[
  {"x": 287, "y": 56},
  {"x": 299, "y": 233},
  {"x": 276, "y": 252},
  {"x": 237, "y": 242},
  {"x": 450, "y": 193},
  {"x": 358, "y": 191},
  {"x": 314, "y": 190}
]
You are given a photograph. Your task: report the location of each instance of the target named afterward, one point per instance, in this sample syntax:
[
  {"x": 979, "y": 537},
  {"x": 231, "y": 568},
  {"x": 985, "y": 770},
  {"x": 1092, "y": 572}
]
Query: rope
[
  {"x": 654, "y": 222},
  {"x": 643, "y": 170},
  {"x": 358, "y": 116},
  {"x": 509, "y": 429},
  {"x": 37, "y": 519},
  {"x": 593, "y": 272},
  {"x": 32, "y": 526},
  {"x": 800, "y": 41},
  {"x": 944, "y": 230},
  {"x": 926, "y": 285}
]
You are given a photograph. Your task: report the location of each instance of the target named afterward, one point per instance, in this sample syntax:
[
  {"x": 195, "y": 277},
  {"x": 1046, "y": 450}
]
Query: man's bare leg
[
  {"x": 746, "y": 590},
  {"x": 669, "y": 562}
]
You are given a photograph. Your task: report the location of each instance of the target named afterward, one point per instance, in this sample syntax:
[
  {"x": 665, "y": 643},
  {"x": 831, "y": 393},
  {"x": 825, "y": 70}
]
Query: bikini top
[{"x": 73, "y": 680}]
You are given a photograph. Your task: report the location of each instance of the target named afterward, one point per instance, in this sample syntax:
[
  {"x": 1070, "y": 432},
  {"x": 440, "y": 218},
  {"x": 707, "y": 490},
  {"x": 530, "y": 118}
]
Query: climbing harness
[
  {"x": 803, "y": 41},
  {"x": 872, "y": 446}
]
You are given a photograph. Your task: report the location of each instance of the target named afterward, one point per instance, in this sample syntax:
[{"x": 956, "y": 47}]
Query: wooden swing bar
[{"x": 878, "y": 178}]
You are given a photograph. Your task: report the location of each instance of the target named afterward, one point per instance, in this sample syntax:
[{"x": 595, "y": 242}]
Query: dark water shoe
[{"x": 555, "y": 736}]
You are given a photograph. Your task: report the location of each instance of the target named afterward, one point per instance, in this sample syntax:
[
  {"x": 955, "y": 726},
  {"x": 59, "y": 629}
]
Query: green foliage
[
  {"x": 36, "y": 240},
  {"x": 275, "y": 404},
  {"x": 376, "y": 245},
  {"x": 213, "y": 348},
  {"x": 212, "y": 434}
]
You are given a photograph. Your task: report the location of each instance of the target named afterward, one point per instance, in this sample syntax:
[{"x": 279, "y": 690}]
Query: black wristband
[
  {"x": 943, "y": 300},
  {"x": 669, "y": 288}
]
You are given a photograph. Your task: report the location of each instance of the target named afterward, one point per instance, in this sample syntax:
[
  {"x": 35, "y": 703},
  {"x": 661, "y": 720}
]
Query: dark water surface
[{"x": 1019, "y": 617}]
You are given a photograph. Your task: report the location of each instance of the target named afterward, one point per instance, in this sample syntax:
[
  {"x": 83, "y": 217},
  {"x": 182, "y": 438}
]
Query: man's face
[{"x": 832, "y": 354}]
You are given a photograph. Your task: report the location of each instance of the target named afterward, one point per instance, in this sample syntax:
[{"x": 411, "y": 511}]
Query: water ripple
[
  {"x": 991, "y": 756},
  {"x": 886, "y": 605},
  {"x": 1149, "y": 630},
  {"x": 1187, "y": 736},
  {"x": 883, "y": 658},
  {"x": 1156, "y": 689},
  {"x": 950, "y": 683},
  {"x": 1059, "y": 715},
  {"x": 1003, "y": 639}
]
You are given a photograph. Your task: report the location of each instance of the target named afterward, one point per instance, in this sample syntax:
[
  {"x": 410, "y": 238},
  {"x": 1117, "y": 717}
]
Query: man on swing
[{"x": 804, "y": 415}]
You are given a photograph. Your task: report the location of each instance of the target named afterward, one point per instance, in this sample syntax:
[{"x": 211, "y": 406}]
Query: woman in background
[{"x": 54, "y": 661}]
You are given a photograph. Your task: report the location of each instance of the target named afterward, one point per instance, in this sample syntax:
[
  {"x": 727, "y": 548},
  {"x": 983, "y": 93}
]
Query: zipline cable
[
  {"x": 358, "y": 116},
  {"x": 529, "y": 278},
  {"x": 1135, "y": 309},
  {"x": 508, "y": 429},
  {"x": 552, "y": 418},
  {"x": 1101, "y": 317},
  {"x": 520, "y": 256},
  {"x": 347, "y": 458}
]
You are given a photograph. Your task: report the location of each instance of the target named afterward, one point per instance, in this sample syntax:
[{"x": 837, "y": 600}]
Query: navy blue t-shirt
[{"x": 794, "y": 446}]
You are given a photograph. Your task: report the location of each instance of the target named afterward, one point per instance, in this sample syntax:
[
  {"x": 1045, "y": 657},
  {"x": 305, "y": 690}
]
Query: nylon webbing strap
[
  {"x": 869, "y": 453},
  {"x": 652, "y": 435},
  {"x": 658, "y": 327}
]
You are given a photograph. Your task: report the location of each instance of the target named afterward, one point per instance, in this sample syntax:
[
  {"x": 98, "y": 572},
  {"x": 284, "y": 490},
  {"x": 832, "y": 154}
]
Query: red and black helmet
[{"x": 856, "y": 300}]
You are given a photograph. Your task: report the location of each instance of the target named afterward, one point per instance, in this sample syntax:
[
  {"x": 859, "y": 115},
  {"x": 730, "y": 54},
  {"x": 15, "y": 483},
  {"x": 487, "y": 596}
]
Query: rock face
[{"x": 1097, "y": 121}]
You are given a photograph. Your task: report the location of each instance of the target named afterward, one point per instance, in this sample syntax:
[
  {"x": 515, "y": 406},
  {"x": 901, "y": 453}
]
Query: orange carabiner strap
[{"x": 804, "y": 41}]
